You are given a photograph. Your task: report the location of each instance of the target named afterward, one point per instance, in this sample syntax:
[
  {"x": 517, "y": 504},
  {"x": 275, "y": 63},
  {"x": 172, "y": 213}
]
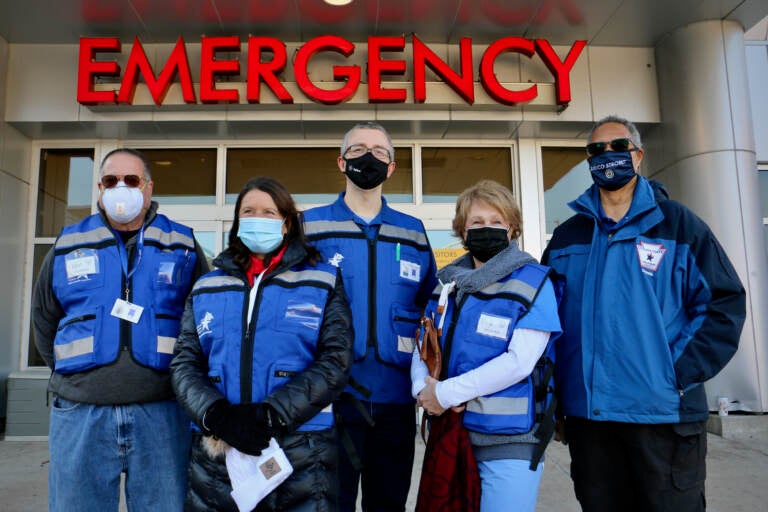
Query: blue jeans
[
  {"x": 508, "y": 484},
  {"x": 91, "y": 445}
]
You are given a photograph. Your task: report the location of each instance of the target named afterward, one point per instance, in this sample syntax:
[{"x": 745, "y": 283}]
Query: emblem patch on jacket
[
  {"x": 650, "y": 256},
  {"x": 335, "y": 260},
  {"x": 203, "y": 327}
]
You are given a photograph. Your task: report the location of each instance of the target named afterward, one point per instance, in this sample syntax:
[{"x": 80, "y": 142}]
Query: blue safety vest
[
  {"x": 382, "y": 276},
  {"x": 479, "y": 329},
  {"x": 246, "y": 362},
  {"x": 87, "y": 281}
]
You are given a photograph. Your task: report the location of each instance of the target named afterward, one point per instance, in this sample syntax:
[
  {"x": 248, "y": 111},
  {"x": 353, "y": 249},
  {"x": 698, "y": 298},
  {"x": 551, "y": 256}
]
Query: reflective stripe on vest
[
  {"x": 498, "y": 405},
  {"x": 91, "y": 237},
  {"x": 330, "y": 226},
  {"x": 168, "y": 239},
  {"x": 74, "y": 348},
  {"x": 403, "y": 234}
]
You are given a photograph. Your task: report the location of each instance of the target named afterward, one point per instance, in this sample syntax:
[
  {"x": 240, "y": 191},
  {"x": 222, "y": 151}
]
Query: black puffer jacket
[{"x": 313, "y": 455}]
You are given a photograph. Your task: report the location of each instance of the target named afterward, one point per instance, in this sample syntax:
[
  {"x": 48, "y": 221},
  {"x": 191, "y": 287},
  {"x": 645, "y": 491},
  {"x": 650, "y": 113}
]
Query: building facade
[{"x": 217, "y": 91}]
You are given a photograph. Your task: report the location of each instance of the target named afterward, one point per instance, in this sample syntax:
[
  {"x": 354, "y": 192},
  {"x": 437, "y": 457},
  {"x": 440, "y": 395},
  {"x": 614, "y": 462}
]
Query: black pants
[
  {"x": 632, "y": 467},
  {"x": 386, "y": 452}
]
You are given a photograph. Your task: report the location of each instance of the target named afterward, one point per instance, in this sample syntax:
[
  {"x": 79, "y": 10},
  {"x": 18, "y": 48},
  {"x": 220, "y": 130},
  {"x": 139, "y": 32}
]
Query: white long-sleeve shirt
[{"x": 524, "y": 350}]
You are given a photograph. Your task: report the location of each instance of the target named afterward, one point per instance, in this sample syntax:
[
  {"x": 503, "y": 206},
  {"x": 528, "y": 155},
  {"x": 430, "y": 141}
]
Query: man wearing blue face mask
[
  {"x": 389, "y": 273},
  {"x": 105, "y": 312},
  {"x": 652, "y": 309}
]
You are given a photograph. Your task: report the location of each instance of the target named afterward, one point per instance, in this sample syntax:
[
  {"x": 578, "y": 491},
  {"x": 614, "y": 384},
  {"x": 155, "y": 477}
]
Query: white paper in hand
[{"x": 253, "y": 477}]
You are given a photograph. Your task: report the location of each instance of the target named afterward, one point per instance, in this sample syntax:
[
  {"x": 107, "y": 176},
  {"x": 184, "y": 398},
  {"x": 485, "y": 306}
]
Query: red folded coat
[{"x": 450, "y": 481}]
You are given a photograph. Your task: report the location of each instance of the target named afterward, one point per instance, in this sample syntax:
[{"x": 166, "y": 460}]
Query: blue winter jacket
[
  {"x": 389, "y": 272},
  {"x": 652, "y": 309}
]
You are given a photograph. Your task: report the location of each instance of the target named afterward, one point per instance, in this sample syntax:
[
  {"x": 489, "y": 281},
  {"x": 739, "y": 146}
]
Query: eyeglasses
[
  {"x": 110, "y": 180},
  {"x": 598, "y": 148},
  {"x": 358, "y": 150}
]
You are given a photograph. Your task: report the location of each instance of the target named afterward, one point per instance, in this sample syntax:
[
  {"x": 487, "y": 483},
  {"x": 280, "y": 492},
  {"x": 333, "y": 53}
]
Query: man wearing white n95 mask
[{"x": 106, "y": 311}]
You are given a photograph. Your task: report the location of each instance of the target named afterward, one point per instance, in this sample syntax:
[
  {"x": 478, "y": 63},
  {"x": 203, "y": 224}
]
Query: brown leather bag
[
  {"x": 429, "y": 347},
  {"x": 429, "y": 351}
]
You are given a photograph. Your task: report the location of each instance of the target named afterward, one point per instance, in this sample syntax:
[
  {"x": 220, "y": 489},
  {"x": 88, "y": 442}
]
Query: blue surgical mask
[
  {"x": 260, "y": 235},
  {"x": 611, "y": 170}
]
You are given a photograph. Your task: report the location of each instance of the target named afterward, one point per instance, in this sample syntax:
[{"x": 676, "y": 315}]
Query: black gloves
[{"x": 247, "y": 427}]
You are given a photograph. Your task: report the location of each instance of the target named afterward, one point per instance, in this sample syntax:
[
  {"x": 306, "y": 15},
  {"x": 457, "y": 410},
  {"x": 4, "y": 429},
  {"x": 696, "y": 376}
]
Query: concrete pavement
[{"x": 737, "y": 471}]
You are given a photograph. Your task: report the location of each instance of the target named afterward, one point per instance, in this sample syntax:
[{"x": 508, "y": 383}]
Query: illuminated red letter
[
  {"x": 560, "y": 70},
  {"x": 378, "y": 67},
  {"x": 138, "y": 63},
  {"x": 488, "y": 77},
  {"x": 88, "y": 69},
  {"x": 350, "y": 73},
  {"x": 210, "y": 67},
  {"x": 462, "y": 84},
  {"x": 267, "y": 71}
]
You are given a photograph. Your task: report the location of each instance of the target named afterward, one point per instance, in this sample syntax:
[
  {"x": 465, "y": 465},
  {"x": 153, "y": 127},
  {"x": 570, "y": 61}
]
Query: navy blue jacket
[{"x": 652, "y": 309}]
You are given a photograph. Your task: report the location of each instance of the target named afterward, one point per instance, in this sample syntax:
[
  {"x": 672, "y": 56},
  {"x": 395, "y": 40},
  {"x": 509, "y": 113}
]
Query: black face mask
[
  {"x": 366, "y": 171},
  {"x": 485, "y": 243}
]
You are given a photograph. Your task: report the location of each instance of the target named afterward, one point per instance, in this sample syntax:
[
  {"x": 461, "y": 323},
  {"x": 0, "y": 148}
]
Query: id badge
[{"x": 124, "y": 310}]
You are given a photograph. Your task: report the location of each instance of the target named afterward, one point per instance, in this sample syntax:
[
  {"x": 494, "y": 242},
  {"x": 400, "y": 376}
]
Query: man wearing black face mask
[
  {"x": 652, "y": 309},
  {"x": 389, "y": 272}
]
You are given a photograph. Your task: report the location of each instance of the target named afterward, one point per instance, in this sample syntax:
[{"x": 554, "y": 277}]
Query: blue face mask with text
[
  {"x": 260, "y": 235},
  {"x": 611, "y": 170}
]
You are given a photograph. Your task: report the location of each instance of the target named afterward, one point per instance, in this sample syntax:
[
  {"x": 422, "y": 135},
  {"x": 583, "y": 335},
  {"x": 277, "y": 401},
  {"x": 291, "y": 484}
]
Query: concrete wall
[
  {"x": 757, "y": 71},
  {"x": 15, "y": 155}
]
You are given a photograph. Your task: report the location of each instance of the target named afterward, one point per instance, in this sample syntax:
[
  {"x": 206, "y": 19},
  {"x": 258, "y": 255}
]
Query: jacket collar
[
  {"x": 341, "y": 211},
  {"x": 294, "y": 254},
  {"x": 643, "y": 214}
]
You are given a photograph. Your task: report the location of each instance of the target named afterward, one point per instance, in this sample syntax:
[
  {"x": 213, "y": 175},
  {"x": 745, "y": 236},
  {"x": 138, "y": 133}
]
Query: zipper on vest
[
  {"x": 246, "y": 352},
  {"x": 449, "y": 336},
  {"x": 372, "y": 290},
  {"x": 80, "y": 318}
]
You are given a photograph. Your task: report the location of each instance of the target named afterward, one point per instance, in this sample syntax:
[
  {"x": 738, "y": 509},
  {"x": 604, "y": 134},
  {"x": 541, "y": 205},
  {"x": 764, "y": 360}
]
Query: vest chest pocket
[
  {"x": 172, "y": 272},
  {"x": 405, "y": 265},
  {"x": 83, "y": 270},
  {"x": 299, "y": 312},
  {"x": 487, "y": 328}
]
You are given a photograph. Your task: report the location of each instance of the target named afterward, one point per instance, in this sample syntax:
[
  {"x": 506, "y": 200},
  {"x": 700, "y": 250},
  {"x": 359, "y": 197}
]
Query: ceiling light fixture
[{"x": 338, "y": 3}]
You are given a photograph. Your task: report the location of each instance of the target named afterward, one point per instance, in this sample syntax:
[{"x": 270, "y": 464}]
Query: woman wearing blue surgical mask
[
  {"x": 265, "y": 349},
  {"x": 495, "y": 312}
]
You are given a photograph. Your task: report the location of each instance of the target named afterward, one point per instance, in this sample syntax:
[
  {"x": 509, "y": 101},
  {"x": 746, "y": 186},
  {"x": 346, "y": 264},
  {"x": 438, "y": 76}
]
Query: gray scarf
[{"x": 470, "y": 279}]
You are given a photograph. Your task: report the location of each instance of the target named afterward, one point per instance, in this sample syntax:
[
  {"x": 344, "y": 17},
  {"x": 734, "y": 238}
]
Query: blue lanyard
[{"x": 124, "y": 255}]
